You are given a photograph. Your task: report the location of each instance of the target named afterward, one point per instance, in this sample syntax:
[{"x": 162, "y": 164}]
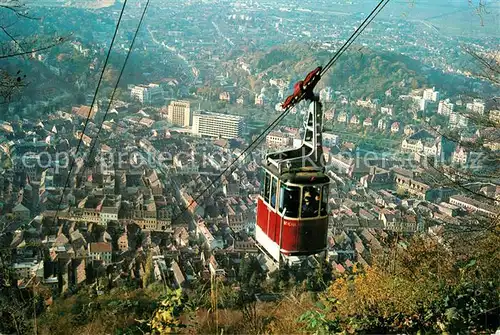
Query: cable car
[{"x": 292, "y": 208}]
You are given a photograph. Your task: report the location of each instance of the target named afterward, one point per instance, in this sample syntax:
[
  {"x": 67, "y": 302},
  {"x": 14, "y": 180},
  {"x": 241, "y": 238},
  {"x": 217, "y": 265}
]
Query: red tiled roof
[{"x": 100, "y": 247}]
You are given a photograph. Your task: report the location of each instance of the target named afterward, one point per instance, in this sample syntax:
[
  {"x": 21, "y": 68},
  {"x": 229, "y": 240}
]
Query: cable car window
[
  {"x": 324, "y": 200},
  {"x": 289, "y": 201},
  {"x": 267, "y": 182},
  {"x": 274, "y": 185},
  {"x": 310, "y": 201}
]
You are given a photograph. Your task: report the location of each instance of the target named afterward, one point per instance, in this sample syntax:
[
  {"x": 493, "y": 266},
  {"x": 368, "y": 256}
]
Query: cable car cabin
[{"x": 292, "y": 213}]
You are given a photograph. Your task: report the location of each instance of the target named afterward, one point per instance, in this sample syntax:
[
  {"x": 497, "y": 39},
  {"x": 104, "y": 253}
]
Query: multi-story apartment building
[
  {"x": 146, "y": 93},
  {"x": 477, "y": 106},
  {"x": 179, "y": 113},
  {"x": 431, "y": 94},
  {"x": 217, "y": 125},
  {"x": 445, "y": 107}
]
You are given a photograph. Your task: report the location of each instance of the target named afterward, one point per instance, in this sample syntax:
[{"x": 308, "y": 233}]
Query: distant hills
[
  {"x": 93, "y": 4},
  {"x": 360, "y": 72},
  {"x": 90, "y": 4}
]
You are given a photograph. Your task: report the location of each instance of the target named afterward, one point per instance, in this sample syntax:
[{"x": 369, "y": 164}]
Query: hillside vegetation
[
  {"x": 360, "y": 72},
  {"x": 419, "y": 286}
]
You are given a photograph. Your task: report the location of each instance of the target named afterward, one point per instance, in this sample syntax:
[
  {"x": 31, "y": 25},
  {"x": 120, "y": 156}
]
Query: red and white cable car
[{"x": 292, "y": 209}]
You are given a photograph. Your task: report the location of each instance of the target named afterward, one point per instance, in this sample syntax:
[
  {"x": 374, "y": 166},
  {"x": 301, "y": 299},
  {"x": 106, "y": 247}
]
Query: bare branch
[
  {"x": 490, "y": 65},
  {"x": 12, "y": 38},
  {"x": 16, "y": 7},
  {"x": 46, "y": 47}
]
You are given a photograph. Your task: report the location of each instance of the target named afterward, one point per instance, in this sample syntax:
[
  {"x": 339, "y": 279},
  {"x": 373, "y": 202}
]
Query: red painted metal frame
[{"x": 293, "y": 236}]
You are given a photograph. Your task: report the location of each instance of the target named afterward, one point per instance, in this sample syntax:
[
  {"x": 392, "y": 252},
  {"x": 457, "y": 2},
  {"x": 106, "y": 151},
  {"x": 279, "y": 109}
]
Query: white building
[
  {"x": 495, "y": 116},
  {"x": 422, "y": 104},
  {"x": 331, "y": 139},
  {"x": 458, "y": 120},
  {"x": 423, "y": 143},
  {"x": 217, "y": 125},
  {"x": 431, "y": 94},
  {"x": 277, "y": 139},
  {"x": 477, "y": 106},
  {"x": 445, "y": 107},
  {"x": 146, "y": 93},
  {"x": 326, "y": 94},
  {"x": 389, "y": 110}
]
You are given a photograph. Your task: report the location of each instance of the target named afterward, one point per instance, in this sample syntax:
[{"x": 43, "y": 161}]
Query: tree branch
[
  {"x": 12, "y": 38},
  {"x": 59, "y": 41},
  {"x": 16, "y": 9}
]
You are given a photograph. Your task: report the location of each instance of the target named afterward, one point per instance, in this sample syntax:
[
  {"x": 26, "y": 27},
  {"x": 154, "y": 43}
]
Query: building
[
  {"x": 342, "y": 118},
  {"x": 431, "y": 95},
  {"x": 445, "y": 107},
  {"x": 409, "y": 183},
  {"x": 395, "y": 127},
  {"x": 326, "y": 94},
  {"x": 123, "y": 242},
  {"x": 460, "y": 156},
  {"x": 474, "y": 205},
  {"x": 422, "y": 104},
  {"x": 409, "y": 130},
  {"x": 331, "y": 139},
  {"x": 458, "y": 120},
  {"x": 495, "y": 116},
  {"x": 277, "y": 139},
  {"x": 109, "y": 211},
  {"x": 146, "y": 94},
  {"x": 382, "y": 124},
  {"x": 424, "y": 143},
  {"x": 448, "y": 209},
  {"x": 28, "y": 269},
  {"x": 217, "y": 125},
  {"x": 225, "y": 96},
  {"x": 477, "y": 106},
  {"x": 84, "y": 111},
  {"x": 100, "y": 251},
  {"x": 21, "y": 212},
  {"x": 354, "y": 120},
  {"x": 179, "y": 113},
  {"x": 368, "y": 122},
  {"x": 207, "y": 237},
  {"x": 259, "y": 99},
  {"x": 389, "y": 110}
]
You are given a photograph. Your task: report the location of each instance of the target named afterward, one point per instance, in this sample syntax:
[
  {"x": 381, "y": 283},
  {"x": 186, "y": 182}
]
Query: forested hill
[{"x": 360, "y": 71}]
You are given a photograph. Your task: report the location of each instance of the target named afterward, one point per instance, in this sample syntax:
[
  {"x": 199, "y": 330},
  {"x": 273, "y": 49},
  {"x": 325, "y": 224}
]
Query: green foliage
[
  {"x": 316, "y": 322},
  {"x": 274, "y": 57},
  {"x": 166, "y": 318}
]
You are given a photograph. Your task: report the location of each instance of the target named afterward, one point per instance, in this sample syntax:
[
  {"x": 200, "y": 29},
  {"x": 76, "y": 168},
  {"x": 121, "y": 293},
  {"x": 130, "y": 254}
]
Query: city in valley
[{"x": 147, "y": 177}]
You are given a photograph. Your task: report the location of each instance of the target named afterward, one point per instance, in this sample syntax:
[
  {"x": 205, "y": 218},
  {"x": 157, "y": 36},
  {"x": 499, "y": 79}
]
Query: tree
[
  {"x": 425, "y": 285},
  {"x": 12, "y": 82},
  {"x": 480, "y": 142},
  {"x": 148, "y": 271}
]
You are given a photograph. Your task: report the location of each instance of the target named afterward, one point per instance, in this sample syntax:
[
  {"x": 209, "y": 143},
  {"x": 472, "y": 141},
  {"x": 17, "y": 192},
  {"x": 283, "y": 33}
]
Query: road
[
  {"x": 192, "y": 70},
  {"x": 221, "y": 34}
]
